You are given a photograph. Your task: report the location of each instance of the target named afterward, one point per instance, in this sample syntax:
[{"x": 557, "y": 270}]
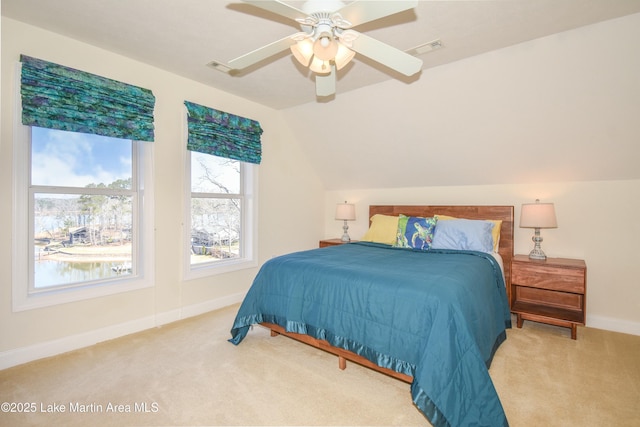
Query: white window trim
[
  {"x": 21, "y": 298},
  {"x": 249, "y": 231}
]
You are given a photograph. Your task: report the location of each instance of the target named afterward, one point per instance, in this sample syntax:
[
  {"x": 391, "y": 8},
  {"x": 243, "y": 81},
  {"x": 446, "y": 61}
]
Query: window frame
[
  {"x": 248, "y": 230},
  {"x": 23, "y": 295}
]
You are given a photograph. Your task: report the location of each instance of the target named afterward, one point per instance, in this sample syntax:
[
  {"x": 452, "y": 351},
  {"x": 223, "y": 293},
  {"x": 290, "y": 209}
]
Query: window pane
[
  {"x": 215, "y": 229},
  {"x": 70, "y": 159},
  {"x": 81, "y": 238},
  {"x": 212, "y": 174}
]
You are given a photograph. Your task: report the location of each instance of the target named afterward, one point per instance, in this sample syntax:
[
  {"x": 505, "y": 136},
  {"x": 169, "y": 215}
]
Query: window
[
  {"x": 81, "y": 196},
  {"x": 219, "y": 229},
  {"x": 220, "y": 216},
  {"x": 83, "y": 211}
]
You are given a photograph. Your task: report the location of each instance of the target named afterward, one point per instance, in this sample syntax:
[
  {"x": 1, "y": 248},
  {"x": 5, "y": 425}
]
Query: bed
[{"x": 432, "y": 317}]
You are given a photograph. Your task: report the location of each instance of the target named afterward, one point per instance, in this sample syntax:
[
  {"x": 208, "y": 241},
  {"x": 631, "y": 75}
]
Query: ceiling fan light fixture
[
  {"x": 343, "y": 56},
  {"x": 303, "y": 51},
  {"x": 319, "y": 66},
  {"x": 325, "y": 47}
]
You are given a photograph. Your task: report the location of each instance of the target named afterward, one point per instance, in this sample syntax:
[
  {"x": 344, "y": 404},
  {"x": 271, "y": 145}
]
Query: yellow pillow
[
  {"x": 495, "y": 231},
  {"x": 383, "y": 229}
]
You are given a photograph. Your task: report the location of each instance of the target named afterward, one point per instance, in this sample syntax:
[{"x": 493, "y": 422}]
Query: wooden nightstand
[
  {"x": 552, "y": 291},
  {"x": 332, "y": 242}
]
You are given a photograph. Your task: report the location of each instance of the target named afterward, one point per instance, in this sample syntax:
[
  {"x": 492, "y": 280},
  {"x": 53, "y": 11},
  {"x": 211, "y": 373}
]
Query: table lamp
[
  {"x": 346, "y": 212},
  {"x": 538, "y": 215}
]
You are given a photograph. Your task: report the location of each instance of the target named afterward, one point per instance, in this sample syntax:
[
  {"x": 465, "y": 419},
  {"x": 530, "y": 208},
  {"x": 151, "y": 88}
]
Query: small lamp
[
  {"x": 346, "y": 212},
  {"x": 538, "y": 215}
]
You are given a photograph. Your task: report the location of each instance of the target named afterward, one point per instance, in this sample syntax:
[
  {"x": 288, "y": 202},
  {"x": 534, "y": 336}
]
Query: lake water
[{"x": 55, "y": 273}]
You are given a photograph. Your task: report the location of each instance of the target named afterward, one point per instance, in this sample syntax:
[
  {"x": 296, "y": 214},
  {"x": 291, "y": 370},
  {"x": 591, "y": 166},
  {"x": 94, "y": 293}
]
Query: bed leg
[
  {"x": 274, "y": 333},
  {"x": 342, "y": 363}
]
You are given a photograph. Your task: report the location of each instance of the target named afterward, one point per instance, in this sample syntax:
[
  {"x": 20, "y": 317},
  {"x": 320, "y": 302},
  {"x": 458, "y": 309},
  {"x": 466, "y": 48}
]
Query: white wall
[
  {"x": 290, "y": 210},
  {"x": 559, "y": 108},
  {"x": 597, "y": 222}
]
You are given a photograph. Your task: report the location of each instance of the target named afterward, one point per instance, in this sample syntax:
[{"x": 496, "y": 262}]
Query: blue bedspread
[{"x": 437, "y": 316}]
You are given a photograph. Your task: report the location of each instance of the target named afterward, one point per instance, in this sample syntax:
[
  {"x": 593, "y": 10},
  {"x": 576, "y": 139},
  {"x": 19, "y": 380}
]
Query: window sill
[
  {"x": 213, "y": 269},
  {"x": 23, "y": 301}
]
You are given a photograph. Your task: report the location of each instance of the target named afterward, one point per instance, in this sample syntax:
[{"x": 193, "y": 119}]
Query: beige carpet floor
[{"x": 188, "y": 374}]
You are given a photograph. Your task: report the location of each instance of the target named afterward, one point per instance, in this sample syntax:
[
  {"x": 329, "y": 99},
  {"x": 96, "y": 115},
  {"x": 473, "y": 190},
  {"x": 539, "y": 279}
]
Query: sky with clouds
[{"x": 73, "y": 159}]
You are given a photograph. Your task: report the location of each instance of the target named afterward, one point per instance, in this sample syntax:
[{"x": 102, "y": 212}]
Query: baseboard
[
  {"x": 30, "y": 353},
  {"x": 215, "y": 304},
  {"x": 615, "y": 325},
  {"x": 197, "y": 309}
]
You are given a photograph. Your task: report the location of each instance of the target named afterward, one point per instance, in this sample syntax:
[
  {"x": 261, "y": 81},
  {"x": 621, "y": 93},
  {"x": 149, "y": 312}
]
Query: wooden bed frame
[{"x": 504, "y": 213}]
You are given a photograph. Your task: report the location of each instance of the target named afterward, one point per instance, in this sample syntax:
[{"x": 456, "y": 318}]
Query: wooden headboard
[{"x": 504, "y": 213}]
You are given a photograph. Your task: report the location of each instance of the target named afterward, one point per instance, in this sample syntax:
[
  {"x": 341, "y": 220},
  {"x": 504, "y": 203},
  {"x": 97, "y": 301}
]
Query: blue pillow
[
  {"x": 464, "y": 234},
  {"x": 415, "y": 232}
]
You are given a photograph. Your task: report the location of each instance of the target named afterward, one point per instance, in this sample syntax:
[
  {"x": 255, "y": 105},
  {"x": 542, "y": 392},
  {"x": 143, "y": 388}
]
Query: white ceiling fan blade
[
  {"x": 361, "y": 11},
  {"x": 259, "y": 54},
  {"x": 279, "y": 8},
  {"x": 326, "y": 83},
  {"x": 386, "y": 55}
]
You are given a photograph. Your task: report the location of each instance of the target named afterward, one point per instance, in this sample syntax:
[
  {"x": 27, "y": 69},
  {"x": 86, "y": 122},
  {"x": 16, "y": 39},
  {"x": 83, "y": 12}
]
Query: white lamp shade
[
  {"x": 346, "y": 211},
  {"x": 538, "y": 215},
  {"x": 325, "y": 47},
  {"x": 303, "y": 51},
  {"x": 319, "y": 66},
  {"x": 343, "y": 56}
]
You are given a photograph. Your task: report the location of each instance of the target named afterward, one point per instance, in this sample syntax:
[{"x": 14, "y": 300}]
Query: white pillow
[{"x": 463, "y": 234}]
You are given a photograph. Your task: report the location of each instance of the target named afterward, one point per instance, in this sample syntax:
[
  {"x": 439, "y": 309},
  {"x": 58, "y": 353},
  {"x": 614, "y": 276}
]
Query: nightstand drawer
[
  {"x": 548, "y": 277},
  {"x": 566, "y": 300}
]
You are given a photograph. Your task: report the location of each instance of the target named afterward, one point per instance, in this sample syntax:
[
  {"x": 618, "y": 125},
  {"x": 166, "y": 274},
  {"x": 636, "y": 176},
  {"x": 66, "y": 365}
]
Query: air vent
[
  {"x": 219, "y": 66},
  {"x": 424, "y": 48}
]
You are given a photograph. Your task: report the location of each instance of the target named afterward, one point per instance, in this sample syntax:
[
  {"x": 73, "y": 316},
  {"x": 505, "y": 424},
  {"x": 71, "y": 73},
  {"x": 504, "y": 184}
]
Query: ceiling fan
[{"x": 327, "y": 41}]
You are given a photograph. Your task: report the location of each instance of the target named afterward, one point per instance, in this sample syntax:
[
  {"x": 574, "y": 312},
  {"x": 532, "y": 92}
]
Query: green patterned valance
[
  {"x": 58, "y": 97},
  {"x": 223, "y": 134}
]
